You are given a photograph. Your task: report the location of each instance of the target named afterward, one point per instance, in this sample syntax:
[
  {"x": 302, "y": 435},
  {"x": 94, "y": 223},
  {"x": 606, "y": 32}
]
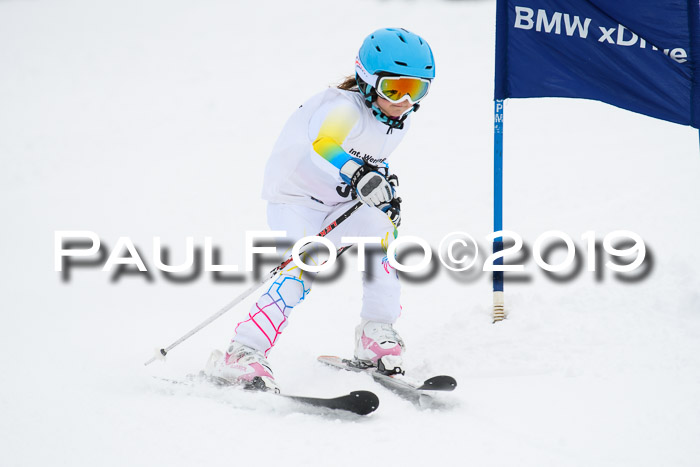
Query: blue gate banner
[{"x": 640, "y": 55}]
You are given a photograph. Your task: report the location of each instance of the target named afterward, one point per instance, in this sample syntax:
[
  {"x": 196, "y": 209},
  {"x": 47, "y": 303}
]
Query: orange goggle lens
[{"x": 395, "y": 88}]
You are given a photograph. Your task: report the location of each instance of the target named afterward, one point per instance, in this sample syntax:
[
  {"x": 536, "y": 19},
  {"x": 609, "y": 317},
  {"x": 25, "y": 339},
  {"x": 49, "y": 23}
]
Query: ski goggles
[{"x": 400, "y": 88}]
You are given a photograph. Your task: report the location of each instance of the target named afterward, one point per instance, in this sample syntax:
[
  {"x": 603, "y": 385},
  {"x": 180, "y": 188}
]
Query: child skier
[{"x": 332, "y": 150}]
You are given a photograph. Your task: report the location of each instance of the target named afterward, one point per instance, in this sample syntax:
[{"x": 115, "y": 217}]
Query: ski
[
  {"x": 418, "y": 392},
  {"x": 356, "y": 402}
]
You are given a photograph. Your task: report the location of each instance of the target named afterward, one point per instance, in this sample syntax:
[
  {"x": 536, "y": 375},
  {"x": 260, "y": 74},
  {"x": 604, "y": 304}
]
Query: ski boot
[
  {"x": 241, "y": 366},
  {"x": 378, "y": 344}
]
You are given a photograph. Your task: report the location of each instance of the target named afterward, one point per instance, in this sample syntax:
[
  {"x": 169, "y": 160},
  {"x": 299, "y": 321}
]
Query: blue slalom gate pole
[{"x": 498, "y": 299}]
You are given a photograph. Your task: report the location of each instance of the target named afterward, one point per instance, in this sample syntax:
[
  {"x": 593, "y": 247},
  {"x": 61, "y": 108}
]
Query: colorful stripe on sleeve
[{"x": 334, "y": 129}]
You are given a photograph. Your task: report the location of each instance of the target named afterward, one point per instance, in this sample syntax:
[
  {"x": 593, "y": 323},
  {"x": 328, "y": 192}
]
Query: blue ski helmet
[{"x": 391, "y": 51}]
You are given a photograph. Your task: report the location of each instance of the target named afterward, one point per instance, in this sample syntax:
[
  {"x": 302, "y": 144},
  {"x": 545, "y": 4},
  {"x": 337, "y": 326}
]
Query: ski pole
[{"x": 161, "y": 353}]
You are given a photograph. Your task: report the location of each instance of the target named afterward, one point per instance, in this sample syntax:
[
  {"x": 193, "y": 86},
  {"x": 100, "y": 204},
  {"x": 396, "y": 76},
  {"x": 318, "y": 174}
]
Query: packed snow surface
[{"x": 144, "y": 119}]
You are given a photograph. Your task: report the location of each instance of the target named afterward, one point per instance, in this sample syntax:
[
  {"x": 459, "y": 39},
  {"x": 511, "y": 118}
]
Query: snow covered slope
[{"x": 146, "y": 119}]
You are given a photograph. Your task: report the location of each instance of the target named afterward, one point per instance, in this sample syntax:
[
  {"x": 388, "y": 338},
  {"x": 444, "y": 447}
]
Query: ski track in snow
[{"x": 146, "y": 119}]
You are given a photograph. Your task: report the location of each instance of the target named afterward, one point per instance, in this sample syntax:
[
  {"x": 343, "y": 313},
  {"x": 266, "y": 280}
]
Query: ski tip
[
  {"x": 321, "y": 358},
  {"x": 363, "y": 402},
  {"x": 440, "y": 383}
]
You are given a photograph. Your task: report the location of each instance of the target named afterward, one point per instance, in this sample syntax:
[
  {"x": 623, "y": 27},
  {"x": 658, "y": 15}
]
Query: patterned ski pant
[{"x": 269, "y": 315}]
